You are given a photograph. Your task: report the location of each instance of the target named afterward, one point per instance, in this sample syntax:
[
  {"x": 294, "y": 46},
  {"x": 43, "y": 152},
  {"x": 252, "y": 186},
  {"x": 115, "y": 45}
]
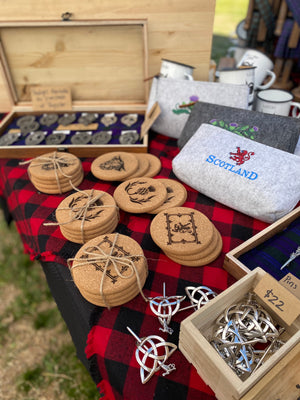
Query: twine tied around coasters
[
  {"x": 109, "y": 258},
  {"x": 57, "y": 165},
  {"x": 81, "y": 212}
]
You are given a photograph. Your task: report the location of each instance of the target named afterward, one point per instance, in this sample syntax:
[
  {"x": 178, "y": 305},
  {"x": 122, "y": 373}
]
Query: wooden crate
[
  {"x": 196, "y": 331},
  {"x": 231, "y": 261},
  {"x": 179, "y": 31},
  {"x": 104, "y": 63}
]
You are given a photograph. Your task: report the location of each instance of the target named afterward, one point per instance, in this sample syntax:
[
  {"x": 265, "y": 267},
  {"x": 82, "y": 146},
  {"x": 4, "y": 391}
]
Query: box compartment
[
  {"x": 196, "y": 331},
  {"x": 238, "y": 269}
]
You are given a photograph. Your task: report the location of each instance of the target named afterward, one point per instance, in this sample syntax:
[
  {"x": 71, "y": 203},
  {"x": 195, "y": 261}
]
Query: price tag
[
  {"x": 291, "y": 283},
  {"x": 51, "y": 98},
  {"x": 278, "y": 299}
]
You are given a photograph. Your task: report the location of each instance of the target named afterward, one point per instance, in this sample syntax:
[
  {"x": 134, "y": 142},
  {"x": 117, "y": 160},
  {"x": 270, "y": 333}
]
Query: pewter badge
[
  {"x": 128, "y": 137},
  {"x": 81, "y": 137},
  {"x": 87, "y": 118},
  {"x": 55, "y": 138},
  {"x": 129, "y": 119},
  {"x": 67, "y": 119},
  {"x": 101, "y": 137},
  {"x": 35, "y": 138},
  {"x": 109, "y": 119},
  {"x": 9, "y": 138},
  {"x": 48, "y": 119}
]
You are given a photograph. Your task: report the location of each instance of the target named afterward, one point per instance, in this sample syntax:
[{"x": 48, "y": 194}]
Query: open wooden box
[
  {"x": 233, "y": 263},
  {"x": 104, "y": 63},
  {"x": 276, "y": 378}
]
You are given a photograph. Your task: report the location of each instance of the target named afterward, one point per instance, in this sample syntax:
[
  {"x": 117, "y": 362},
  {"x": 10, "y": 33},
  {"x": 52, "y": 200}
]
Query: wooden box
[
  {"x": 276, "y": 378},
  {"x": 232, "y": 263},
  {"x": 179, "y": 31},
  {"x": 103, "y": 63}
]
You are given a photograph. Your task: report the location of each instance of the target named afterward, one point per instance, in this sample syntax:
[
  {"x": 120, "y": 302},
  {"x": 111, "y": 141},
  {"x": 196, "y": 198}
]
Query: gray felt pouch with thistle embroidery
[
  {"x": 272, "y": 130},
  {"x": 176, "y": 98},
  {"x": 255, "y": 179}
]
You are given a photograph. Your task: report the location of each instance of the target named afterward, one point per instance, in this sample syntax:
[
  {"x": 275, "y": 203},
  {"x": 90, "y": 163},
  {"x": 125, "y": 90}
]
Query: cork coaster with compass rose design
[{"x": 140, "y": 195}]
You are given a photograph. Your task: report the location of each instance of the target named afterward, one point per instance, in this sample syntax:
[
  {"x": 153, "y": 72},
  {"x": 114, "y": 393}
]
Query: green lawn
[{"x": 228, "y": 14}]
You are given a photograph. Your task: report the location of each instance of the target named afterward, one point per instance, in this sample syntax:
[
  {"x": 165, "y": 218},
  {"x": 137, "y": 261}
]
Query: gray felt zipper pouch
[
  {"x": 273, "y": 130},
  {"x": 255, "y": 179},
  {"x": 176, "y": 98}
]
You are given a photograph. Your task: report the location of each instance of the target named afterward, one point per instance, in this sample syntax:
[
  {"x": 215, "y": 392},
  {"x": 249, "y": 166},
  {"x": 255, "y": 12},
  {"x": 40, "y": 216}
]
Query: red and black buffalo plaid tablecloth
[{"x": 110, "y": 349}]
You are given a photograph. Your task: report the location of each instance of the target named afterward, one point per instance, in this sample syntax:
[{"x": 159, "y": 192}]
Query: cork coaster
[
  {"x": 114, "y": 166},
  {"x": 201, "y": 254},
  {"x": 50, "y": 165},
  {"x": 154, "y": 165},
  {"x": 100, "y": 229},
  {"x": 143, "y": 166},
  {"x": 140, "y": 195},
  {"x": 83, "y": 237},
  {"x": 176, "y": 195},
  {"x": 128, "y": 291},
  {"x": 94, "y": 207},
  {"x": 215, "y": 252},
  {"x": 181, "y": 230},
  {"x": 58, "y": 188},
  {"x": 87, "y": 270},
  {"x": 115, "y": 300},
  {"x": 53, "y": 183}
]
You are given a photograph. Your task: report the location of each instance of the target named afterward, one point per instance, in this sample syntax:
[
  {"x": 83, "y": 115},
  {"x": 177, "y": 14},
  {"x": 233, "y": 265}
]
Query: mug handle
[
  {"x": 271, "y": 81},
  {"x": 189, "y": 77},
  {"x": 296, "y": 109}
]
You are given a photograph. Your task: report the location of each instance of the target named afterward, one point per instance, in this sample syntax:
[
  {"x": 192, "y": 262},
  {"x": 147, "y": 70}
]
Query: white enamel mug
[
  {"x": 240, "y": 76},
  {"x": 263, "y": 64},
  {"x": 176, "y": 70},
  {"x": 277, "y": 101}
]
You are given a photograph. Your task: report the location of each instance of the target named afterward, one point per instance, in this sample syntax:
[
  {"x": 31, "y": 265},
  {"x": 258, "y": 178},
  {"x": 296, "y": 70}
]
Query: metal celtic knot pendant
[
  {"x": 165, "y": 307},
  {"x": 151, "y": 354}
]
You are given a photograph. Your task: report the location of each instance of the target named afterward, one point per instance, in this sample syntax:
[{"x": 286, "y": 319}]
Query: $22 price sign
[{"x": 276, "y": 298}]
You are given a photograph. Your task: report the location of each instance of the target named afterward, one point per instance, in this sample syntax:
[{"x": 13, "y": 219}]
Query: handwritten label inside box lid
[
  {"x": 278, "y": 299},
  {"x": 291, "y": 283},
  {"x": 51, "y": 98}
]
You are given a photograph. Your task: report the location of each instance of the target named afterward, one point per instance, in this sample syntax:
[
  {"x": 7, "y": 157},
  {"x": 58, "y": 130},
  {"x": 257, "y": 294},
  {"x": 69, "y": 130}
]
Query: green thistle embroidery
[
  {"x": 185, "y": 108},
  {"x": 245, "y": 131}
]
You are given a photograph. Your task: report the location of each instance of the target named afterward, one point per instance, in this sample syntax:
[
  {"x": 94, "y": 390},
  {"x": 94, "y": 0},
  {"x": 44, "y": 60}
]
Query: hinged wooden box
[
  {"x": 261, "y": 242},
  {"x": 103, "y": 63},
  {"x": 276, "y": 378}
]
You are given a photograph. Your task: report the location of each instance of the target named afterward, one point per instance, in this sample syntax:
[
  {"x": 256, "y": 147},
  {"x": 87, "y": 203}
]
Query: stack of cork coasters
[
  {"x": 176, "y": 195},
  {"x": 55, "y": 172},
  {"x": 109, "y": 270},
  {"x": 186, "y": 236},
  {"x": 140, "y": 195},
  {"x": 86, "y": 214},
  {"x": 120, "y": 166},
  {"x": 147, "y": 195}
]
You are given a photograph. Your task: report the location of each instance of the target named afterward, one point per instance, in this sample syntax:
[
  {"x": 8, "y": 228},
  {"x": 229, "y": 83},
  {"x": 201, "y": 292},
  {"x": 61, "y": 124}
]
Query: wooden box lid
[{"x": 104, "y": 62}]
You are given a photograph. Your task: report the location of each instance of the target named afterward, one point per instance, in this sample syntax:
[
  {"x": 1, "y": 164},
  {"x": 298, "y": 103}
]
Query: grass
[
  {"x": 30, "y": 321},
  {"x": 228, "y": 14},
  {"x": 37, "y": 359}
]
